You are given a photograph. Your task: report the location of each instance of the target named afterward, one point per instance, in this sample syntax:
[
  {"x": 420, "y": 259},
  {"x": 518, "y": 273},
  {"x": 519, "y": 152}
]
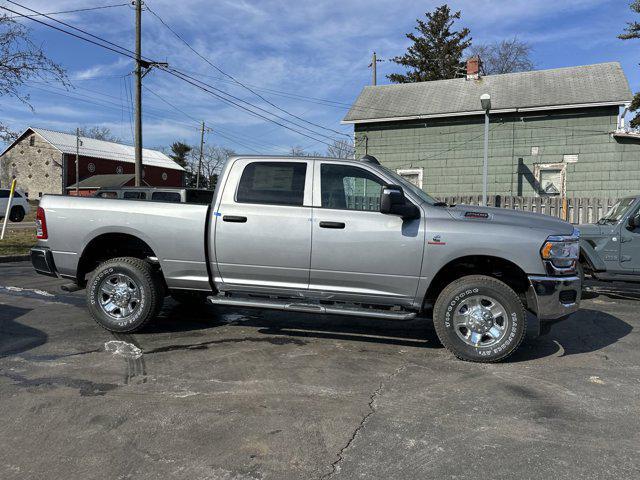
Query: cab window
[
  {"x": 135, "y": 195},
  {"x": 345, "y": 187},
  {"x": 170, "y": 197}
]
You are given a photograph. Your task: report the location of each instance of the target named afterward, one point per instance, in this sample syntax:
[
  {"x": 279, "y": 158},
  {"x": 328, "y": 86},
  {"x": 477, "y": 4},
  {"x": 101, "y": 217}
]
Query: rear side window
[
  {"x": 273, "y": 183},
  {"x": 17, "y": 195},
  {"x": 171, "y": 197},
  {"x": 135, "y": 195},
  {"x": 107, "y": 194}
]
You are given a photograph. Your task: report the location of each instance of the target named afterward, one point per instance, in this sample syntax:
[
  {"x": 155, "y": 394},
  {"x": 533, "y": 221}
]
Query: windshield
[
  {"x": 407, "y": 185},
  {"x": 616, "y": 212}
]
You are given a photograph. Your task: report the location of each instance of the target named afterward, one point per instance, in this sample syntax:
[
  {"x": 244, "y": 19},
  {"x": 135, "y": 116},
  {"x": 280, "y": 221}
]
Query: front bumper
[
  {"x": 553, "y": 298},
  {"x": 42, "y": 261}
]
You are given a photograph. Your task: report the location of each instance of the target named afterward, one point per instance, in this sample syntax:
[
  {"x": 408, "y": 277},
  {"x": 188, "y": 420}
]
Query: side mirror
[{"x": 393, "y": 202}]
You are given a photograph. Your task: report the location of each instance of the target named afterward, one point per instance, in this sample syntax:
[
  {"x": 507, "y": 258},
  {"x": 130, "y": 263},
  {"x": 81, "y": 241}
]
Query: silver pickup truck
[{"x": 330, "y": 236}]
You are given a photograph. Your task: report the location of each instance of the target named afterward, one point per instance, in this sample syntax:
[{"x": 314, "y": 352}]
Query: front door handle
[
  {"x": 332, "y": 225},
  {"x": 234, "y": 219}
]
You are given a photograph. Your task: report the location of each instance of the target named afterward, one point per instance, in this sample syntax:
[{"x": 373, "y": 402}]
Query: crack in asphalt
[
  {"x": 335, "y": 466},
  {"x": 86, "y": 388},
  {"x": 206, "y": 345}
]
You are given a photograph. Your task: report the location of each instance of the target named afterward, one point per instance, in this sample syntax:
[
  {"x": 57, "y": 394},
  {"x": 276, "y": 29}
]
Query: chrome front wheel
[
  {"x": 480, "y": 321},
  {"x": 479, "y": 318}
]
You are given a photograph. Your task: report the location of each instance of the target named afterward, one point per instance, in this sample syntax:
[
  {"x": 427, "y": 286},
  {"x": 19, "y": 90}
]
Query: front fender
[{"x": 588, "y": 252}]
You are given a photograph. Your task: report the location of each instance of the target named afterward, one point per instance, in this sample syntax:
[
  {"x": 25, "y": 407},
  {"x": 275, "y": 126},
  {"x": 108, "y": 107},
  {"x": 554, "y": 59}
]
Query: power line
[
  {"x": 238, "y": 81},
  {"x": 199, "y": 84},
  {"x": 74, "y": 11},
  {"x": 66, "y": 31}
]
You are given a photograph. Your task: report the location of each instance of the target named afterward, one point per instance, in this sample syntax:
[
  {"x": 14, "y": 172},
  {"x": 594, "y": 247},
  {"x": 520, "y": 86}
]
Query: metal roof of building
[
  {"x": 573, "y": 87},
  {"x": 111, "y": 180},
  {"x": 90, "y": 147}
]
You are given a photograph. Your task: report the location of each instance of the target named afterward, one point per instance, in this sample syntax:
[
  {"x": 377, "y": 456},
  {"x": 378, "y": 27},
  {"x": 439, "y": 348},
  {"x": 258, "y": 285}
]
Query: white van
[{"x": 19, "y": 205}]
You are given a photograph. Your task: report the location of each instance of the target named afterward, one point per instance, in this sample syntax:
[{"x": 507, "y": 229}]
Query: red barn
[{"x": 44, "y": 161}]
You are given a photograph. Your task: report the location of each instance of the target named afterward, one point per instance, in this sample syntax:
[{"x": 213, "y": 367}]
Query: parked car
[
  {"x": 610, "y": 248},
  {"x": 304, "y": 235},
  {"x": 171, "y": 195},
  {"x": 19, "y": 205}
]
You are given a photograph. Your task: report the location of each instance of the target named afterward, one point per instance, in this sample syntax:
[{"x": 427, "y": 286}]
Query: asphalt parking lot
[{"x": 246, "y": 394}]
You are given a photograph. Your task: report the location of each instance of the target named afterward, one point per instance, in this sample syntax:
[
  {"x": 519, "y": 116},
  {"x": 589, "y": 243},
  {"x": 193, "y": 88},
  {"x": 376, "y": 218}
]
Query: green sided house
[{"x": 553, "y": 133}]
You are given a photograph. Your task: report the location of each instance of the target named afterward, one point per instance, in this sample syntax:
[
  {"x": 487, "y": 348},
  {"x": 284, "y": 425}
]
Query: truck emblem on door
[{"x": 436, "y": 240}]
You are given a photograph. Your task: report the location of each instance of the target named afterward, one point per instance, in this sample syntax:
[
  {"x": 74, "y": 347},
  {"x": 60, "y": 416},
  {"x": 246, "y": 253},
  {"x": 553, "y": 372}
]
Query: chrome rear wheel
[{"x": 119, "y": 296}]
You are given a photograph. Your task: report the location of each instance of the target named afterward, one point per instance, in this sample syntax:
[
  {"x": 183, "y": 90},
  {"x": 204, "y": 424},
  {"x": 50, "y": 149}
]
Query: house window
[
  {"x": 551, "y": 179},
  {"x": 119, "y": 170},
  {"x": 91, "y": 167},
  {"x": 32, "y": 140},
  {"x": 412, "y": 175},
  {"x": 164, "y": 176}
]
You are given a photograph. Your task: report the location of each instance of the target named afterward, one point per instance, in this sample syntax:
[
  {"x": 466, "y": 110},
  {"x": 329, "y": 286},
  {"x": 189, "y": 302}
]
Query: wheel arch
[
  {"x": 110, "y": 245},
  {"x": 492, "y": 266}
]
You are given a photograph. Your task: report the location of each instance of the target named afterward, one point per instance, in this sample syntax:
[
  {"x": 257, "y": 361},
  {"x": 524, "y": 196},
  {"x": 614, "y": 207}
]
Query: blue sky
[{"x": 291, "y": 52}]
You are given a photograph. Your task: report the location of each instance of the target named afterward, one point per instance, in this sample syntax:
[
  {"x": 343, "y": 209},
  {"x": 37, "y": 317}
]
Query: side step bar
[{"x": 310, "y": 307}]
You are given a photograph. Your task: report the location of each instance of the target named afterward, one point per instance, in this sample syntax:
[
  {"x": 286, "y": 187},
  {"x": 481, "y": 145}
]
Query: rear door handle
[
  {"x": 332, "y": 225},
  {"x": 234, "y": 219}
]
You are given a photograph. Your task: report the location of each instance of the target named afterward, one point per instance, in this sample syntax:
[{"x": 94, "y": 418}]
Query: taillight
[{"x": 41, "y": 224}]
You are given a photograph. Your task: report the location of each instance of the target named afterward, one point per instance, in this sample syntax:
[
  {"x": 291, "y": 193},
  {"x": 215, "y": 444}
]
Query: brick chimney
[{"x": 473, "y": 68}]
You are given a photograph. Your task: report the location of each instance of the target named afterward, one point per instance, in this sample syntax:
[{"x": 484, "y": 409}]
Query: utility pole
[
  {"x": 201, "y": 153},
  {"x": 77, "y": 162},
  {"x": 138, "y": 107},
  {"x": 374, "y": 70}
]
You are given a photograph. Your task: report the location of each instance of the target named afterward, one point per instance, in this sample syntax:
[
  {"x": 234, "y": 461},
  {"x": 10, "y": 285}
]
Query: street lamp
[{"x": 485, "y": 102}]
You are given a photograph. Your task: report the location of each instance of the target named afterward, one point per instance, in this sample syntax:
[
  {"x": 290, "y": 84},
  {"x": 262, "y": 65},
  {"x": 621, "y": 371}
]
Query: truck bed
[{"x": 175, "y": 232}]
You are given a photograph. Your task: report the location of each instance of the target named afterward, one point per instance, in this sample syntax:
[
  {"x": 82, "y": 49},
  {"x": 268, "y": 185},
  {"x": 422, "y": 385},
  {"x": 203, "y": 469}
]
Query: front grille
[{"x": 568, "y": 296}]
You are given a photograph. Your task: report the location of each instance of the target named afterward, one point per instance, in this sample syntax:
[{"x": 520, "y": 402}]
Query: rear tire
[
  {"x": 479, "y": 319},
  {"x": 124, "y": 294},
  {"x": 16, "y": 214}
]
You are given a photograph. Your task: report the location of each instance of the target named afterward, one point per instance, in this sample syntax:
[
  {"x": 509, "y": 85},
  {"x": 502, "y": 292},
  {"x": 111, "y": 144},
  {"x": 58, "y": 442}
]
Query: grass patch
[{"x": 17, "y": 241}]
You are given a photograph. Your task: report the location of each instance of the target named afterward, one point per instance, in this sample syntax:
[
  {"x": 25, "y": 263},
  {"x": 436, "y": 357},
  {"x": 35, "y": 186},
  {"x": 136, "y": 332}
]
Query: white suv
[{"x": 19, "y": 205}]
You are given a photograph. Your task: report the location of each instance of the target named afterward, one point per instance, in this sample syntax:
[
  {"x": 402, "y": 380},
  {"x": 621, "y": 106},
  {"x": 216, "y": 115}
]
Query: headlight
[{"x": 561, "y": 252}]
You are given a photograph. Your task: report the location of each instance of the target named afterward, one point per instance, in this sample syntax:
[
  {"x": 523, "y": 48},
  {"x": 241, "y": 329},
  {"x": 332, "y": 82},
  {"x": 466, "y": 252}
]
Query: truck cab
[{"x": 610, "y": 248}]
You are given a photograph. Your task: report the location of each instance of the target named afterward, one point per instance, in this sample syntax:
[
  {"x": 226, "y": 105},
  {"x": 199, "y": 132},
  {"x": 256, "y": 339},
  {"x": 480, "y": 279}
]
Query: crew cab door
[
  {"x": 262, "y": 231},
  {"x": 630, "y": 241},
  {"x": 358, "y": 253}
]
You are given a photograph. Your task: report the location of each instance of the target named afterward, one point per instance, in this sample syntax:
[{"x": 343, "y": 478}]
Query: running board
[{"x": 310, "y": 308}]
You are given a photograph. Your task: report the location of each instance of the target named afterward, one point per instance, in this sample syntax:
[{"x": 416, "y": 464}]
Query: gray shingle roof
[{"x": 603, "y": 83}]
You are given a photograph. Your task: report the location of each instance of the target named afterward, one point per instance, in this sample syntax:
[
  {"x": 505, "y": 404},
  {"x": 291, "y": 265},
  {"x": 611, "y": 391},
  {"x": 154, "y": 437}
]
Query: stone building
[
  {"x": 44, "y": 161},
  {"x": 553, "y": 132}
]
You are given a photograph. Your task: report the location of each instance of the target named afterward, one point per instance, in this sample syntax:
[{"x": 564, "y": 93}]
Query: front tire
[
  {"x": 479, "y": 319},
  {"x": 124, "y": 294}
]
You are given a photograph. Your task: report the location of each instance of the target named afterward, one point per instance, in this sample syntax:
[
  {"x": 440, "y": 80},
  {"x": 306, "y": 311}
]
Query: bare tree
[
  {"x": 213, "y": 159},
  {"x": 506, "y": 56},
  {"x": 297, "y": 151},
  {"x": 22, "y": 60},
  {"x": 98, "y": 132},
  {"x": 341, "y": 149}
]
